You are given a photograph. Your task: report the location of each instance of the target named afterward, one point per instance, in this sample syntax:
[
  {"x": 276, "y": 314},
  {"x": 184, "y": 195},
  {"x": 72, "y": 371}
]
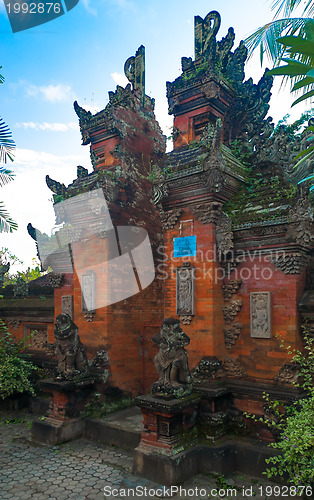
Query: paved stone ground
[{"x": 81, "y": 470}]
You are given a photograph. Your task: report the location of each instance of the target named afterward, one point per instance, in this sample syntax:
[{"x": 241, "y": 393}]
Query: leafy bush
[
  {"x": 296, "y": 440},
  {"x": 97, "y": 408},
  {"x": 294, "y": 425},
  {"x": 15, "y": 368}
]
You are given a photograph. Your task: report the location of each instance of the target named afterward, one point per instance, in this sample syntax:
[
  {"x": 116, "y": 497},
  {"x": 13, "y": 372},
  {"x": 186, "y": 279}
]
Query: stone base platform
[
  {"x": 52, "y": 431},
  {"x": 225, "y": 458},
  {"x": 62, "y": 422}
]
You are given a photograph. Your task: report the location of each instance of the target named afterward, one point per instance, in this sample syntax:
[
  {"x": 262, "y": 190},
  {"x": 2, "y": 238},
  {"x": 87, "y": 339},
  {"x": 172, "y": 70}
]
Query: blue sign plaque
[{"x": 183, "y": 247}]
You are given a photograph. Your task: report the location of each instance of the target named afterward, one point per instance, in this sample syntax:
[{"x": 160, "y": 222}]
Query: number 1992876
[{"x": 33, "y": 8}]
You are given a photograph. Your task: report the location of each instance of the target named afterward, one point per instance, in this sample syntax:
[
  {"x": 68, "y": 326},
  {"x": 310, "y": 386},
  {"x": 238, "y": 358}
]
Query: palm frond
[
  {"x": 5, "y": 176},
  {"x": 7, "y": 144},
  {"x": 286, "y": 7},
  {"x": 1, "y": 77},
  {"x": 266, "y": 37},
  {"x": 7, "y": 225}
]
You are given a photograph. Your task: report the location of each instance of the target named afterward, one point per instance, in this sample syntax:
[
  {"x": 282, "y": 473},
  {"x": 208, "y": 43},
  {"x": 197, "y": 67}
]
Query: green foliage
[
  {"x": 254, "y": 200},
  {"x": 6, "y": 223},
  {"x": 300, "y": 69},
  {"x": 7, "y": 146},
  {"x": 97, "y": 408},
  {"x": 20, "y": 279},
  {"x": 266, "y": 36},
  {"x": 295, "y": 129},
  {"x": 300, "y": 63},
  {"x": 295, "y": 424},
  {"x": 15, "y": 369}
]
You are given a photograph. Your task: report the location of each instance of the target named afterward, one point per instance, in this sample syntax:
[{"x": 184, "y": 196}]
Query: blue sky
[{"x": 81, "y": 56}]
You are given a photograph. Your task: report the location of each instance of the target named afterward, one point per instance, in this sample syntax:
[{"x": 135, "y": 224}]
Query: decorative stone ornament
[
  {"x": 231, "y": 335},
  {"x": 207, "y": 213},
  {"x": 209, "y": 368},
  {"x": 291, "y": 263},
  {"x": 67, "y": 305},
  {"x": 14, "y": 323},
  {"x": 233, "y": 368},
  {"x": 288, "y": 374},
  {"x": 260, "y": 315},
  {"x": 186, "y": 320},
  {"x": 169, "y": 219},
  {"x": 229, "y": 289},
  {"x": 185, "y": 291},
  {"x": 89, "y": 317},
  {"x": 231, "y": 311},
  {"x": 88, "y": 285}
]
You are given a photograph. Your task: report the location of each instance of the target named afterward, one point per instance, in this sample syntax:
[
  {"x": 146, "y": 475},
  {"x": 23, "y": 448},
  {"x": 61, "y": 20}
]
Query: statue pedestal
[
  {"x": 62, "y": 422},
  {"x": 165, "y": 453}
]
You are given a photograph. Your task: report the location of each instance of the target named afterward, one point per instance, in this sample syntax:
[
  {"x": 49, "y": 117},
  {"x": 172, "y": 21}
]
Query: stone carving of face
[{"x": 63, "y": 324}]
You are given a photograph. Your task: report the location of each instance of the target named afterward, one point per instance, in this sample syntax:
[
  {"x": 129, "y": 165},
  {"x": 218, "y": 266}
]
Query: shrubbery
[
  {"x": 294, "y": 425},
  {"x": 15, "y": 369}
]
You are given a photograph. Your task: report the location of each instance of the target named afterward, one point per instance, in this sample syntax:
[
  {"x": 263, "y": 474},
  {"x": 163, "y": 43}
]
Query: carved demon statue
[
  {"x": 171, "y": 362},
  {"x": 70, "y": 352}
]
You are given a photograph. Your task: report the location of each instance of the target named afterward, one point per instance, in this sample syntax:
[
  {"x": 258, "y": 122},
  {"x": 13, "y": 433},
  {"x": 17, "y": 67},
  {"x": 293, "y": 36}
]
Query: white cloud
[
  {"x": 28, "y": 199},
  {"x": 54, "y": 127},
  {"x": 89, "y": 8},
  {"x": 119, "y": 79},
  {"x": 93, "y": 108},
  {"x": 52, "y": 93}
]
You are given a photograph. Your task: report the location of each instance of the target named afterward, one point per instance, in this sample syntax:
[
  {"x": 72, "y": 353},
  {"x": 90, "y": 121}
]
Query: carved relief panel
[
  {"x": 185, "y": 291},
  {"x": 67, "y": 305},
  {"x": 88, "y": 285},
  {"x": 36, "y": 336},
  {"x": 260, "y": 315}
]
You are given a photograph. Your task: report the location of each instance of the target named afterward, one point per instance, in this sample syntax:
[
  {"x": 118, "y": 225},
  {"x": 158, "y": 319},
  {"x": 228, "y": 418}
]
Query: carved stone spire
[
  {"x": 205, "y": 33},
  {"x": 134, "y": 69}
]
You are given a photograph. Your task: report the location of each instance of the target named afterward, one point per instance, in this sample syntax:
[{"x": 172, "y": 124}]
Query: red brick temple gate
[{"x": 224, "y": 200}]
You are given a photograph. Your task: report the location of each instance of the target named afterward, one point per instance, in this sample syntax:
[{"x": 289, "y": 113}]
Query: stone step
[{"x": 122, "y": 429}]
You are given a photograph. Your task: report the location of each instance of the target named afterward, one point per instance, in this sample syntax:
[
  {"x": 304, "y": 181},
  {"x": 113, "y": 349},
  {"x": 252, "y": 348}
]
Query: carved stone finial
[
  {"x": 70, "y": 352},
  {"x": 81, "y": 172},
  {"x": 83, "y": 115},
  {"x": 134, "y": 69},
  {"x": 171, "y": 362},
  {"x": 55, "y": 186},
  {"x": 205, "y": 33}
]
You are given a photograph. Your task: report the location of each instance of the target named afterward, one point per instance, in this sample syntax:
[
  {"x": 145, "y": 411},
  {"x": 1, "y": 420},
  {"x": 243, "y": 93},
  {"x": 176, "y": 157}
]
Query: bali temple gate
[{"x": 222, "y": 216}]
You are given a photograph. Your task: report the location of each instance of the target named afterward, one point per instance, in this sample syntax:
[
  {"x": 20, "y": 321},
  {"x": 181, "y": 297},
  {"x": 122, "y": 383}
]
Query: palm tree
[
  {"x": 6, "y": 223},
  {"x": 7, "y": 146},
  {"x": 291, "y": 40},
  {"x": 267, "y": 37}
]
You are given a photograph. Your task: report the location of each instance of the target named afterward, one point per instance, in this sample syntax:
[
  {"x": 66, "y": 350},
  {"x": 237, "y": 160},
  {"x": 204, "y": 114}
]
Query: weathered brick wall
[
  {"x": 262, "y": 358},
  {"x": 206, "y": 328}
]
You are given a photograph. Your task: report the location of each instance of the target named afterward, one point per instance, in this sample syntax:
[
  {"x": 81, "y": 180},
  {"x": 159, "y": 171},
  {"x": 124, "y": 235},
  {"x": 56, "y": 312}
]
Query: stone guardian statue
[
  {"x": 70, "y": 352},
  {"x": 171, "y": 362}
]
